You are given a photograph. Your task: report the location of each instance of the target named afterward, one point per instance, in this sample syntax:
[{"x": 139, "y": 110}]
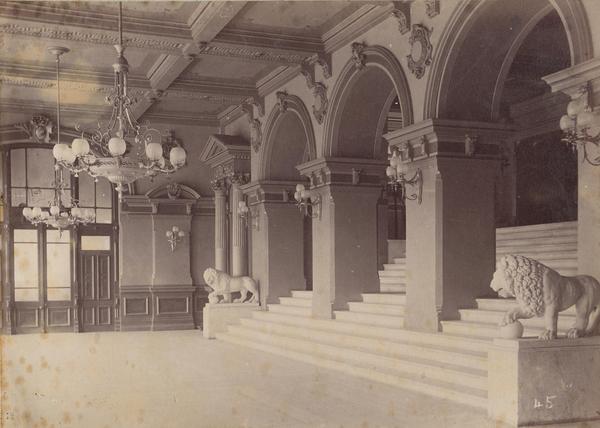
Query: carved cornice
[
  {"x": 183, "y": 118},
  {"x": 344, "y": 171},
  {"x": 263, "y": 39},
  {"x": 432, "y": 7},
  {"x": 86, "y": 36},
  {"x": 276, "y": 79},
  {"x": 401, "y": 12},
  {"x": 249, "y": 53}
]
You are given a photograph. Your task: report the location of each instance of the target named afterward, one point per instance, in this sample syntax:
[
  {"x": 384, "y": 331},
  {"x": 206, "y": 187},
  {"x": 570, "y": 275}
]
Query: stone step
[
  {"x": 506, "y": 304},
  {"x": 391, "y": 321},
  {"x": 462, "y": 344},
  {"x": 393, "y": 288},
  {"x": 295, "y": 301},
  {"x": 394, "y": 266},
  {"x": 400, "y": 274},
  {"x": 404, "y": 382},
  {"x": 545, "y": 227},
  {"x": 302, "y": 294},
  {"x": 290, "y": 310},
  {"x": 537, "y": 251},
  {"x": 400, "y": 260},
  {"x": 462, "y": 377},
  {"x": 484, "y": 330},
  {"x": 565, "y": 321},
  {"x": 525, "y": 234},
  {"x": 376, "y": 308},
  {"x": 385, "y": 298},
  {"x": 542, "y": 240},
  {"x": 392, "y": 280},
  {"x": 546, "y": 255},
  {"x": 390, "y": 348}
]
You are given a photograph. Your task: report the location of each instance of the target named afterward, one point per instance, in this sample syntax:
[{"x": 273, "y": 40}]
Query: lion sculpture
[
  {"x": 541, "y": 291},
  {"x": 223, "y": 284}
]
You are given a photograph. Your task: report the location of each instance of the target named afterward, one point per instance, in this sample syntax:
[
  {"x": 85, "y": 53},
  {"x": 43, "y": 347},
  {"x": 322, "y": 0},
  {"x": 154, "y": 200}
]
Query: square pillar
[
  {"x": 450, "y": 235},
  {"x": 277, "y": 228},
  {"x": 344, "y": 230}
]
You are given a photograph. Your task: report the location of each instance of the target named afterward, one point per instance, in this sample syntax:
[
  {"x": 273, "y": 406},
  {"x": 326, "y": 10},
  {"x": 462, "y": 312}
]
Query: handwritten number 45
[{"x": 547, "y": 405}]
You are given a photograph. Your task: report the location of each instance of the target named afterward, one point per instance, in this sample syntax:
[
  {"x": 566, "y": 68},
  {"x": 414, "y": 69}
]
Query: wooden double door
[{"x": 97, "y": 302}]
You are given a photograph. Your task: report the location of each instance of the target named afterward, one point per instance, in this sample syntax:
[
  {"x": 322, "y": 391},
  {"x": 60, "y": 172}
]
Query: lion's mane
[{"x": 524, "y": 279}]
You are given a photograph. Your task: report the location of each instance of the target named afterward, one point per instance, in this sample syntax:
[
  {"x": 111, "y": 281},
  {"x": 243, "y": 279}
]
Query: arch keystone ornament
[
  {"x": 421, "y": 50},
  {"x": 358, "y": 56}
]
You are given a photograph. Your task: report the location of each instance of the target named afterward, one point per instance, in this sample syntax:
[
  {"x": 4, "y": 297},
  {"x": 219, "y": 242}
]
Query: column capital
[
  {"x": 344, "y": 171},
  {"x": 270, "y": 191},
  {"x": 570, "y": 80},
  {"x": 450, "y": 138}
]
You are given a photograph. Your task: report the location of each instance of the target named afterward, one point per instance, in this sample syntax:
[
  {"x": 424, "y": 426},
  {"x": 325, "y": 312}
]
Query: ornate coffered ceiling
[{"x": 190, "y": 62}]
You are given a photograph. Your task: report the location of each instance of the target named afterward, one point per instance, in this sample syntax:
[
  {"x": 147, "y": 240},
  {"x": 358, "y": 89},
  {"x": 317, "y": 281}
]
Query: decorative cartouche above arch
[{"x": 420, "y": 50}]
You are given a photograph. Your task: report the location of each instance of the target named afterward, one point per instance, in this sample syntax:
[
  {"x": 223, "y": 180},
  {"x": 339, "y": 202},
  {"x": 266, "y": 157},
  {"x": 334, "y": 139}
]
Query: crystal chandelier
[
  {"x": 58, "y": 216},
  {"x": 123, "y": 150},
  {"x": 581, "y": 125}
]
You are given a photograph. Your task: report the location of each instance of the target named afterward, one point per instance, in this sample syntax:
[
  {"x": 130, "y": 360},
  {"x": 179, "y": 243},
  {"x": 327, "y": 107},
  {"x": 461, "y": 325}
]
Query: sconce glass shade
[
  {"x": 154, "y": 151},
  {"x": 574, "y": 108},
  {"x": 566, "y": 123}
]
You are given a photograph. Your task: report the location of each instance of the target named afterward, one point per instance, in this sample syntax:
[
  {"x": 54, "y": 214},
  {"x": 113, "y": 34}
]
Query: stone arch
[
  {"x": 289, "y": 120},
  {"x": 359, "y": 81},
  {"x": 471, "y": 20}
]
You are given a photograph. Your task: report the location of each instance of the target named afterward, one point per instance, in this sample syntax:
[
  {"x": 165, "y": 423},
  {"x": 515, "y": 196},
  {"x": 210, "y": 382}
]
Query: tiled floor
[{"x": 179, "y": 379}]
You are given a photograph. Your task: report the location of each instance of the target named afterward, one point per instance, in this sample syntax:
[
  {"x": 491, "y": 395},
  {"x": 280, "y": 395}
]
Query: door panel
[{"x": 97, "y": 294}]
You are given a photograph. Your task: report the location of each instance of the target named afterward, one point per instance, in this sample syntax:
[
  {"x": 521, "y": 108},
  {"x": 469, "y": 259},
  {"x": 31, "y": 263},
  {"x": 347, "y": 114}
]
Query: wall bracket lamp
[
  {"x": 248, "y": 214},
  {"x": 399, "y": 183},
  {"x": 308, "y": 201},
  {"x": 174, "y": 236}
]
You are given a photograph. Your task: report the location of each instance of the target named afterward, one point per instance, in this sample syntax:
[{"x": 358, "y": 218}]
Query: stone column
[
  {"x": 276, "y": 225},
  {"x": 220, "y": 228},
  {"x": 344, "y": 230},
  {"x": 239, "y": 248},
  {"x": 570, "y": 81},
  {"x": 450, "y": 235}
]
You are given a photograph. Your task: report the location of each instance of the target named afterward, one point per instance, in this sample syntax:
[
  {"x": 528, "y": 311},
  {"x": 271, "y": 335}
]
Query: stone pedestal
[
  {"x": 534, "y": 382},
  {"x": 344, "y": 231},
  {"x": 217, "y": 316},
  {"x": 276, "y": 225}
]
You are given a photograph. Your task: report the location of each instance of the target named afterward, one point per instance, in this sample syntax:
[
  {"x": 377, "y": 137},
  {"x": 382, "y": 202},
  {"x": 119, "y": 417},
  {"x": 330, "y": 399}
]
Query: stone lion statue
[
  {"x": 223, "y": 284},
  {"x": 541, "y": 291}
]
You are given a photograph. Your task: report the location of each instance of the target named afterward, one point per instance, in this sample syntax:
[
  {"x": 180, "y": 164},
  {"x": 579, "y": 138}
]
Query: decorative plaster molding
[
  {"x": 142, "y": 42},
  {"x": 281, "y": 101},
  {"x": 26, "y": 82},
  {"x": 421, "y": 46},
  {"x": 358, "y": 57},
  {"x": 249, "y": 53},
  {"x": 255, "y": 134},
  {"x": 401, "y": 12},
  {"x": 432, "y": 7},
  {"x": 38, "y": 129},
  {"x": 324, "y": 61},
  {"x": 470, "y": 145},
  {"x": 319, "y": 108},
  {"x": 198, "y": 96}
]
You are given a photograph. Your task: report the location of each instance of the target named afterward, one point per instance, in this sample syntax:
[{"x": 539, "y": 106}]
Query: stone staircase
[
  {"x": 555, "y": 245},
  {"x": 368, "y": 340}
]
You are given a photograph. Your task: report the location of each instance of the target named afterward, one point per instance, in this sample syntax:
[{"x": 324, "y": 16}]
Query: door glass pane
[
  {"x": 58, "y": 265},
  {"x": 103, "y": 193},
  {"x": 25, "y": 235},
  {"x": 18, "y": 196},
  {"x": 86, "y": 191},
  {"x": 26, "y": 271},
  {"x": 40, "y": 168},
  {"x": 104, "y": 216},
  {"x": 17, "y": 168},
  {"x": 95, "y": 243},
  {"x": 39, "y": 197}
]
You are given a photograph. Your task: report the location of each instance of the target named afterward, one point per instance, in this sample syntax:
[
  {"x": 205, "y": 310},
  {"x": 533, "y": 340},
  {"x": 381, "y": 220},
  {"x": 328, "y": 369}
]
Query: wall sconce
[
  {"x": 581, "y": 125},
  {"x": 246, "y": 214},
  {"x": 398, "y": 181},
  {"x": 308, "y": 201},
  {"x": 174, "y": 236}
]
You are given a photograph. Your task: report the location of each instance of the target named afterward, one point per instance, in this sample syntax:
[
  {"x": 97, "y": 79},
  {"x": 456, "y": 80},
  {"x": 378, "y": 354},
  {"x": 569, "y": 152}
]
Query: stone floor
[{"x": 179, "y": 379}]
